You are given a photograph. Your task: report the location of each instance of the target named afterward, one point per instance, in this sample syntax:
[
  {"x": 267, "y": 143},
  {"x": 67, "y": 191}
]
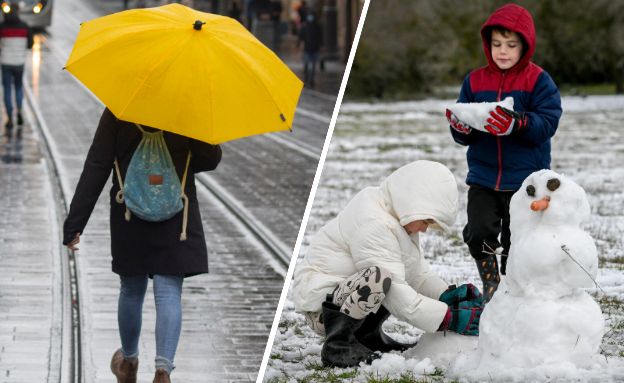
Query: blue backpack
[{"x": 152, "y": 190}]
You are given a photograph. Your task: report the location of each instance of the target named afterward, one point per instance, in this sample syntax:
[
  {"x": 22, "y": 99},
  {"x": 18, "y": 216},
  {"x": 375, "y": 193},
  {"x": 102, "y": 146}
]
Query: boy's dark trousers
[{"x": 488, "y": 217}]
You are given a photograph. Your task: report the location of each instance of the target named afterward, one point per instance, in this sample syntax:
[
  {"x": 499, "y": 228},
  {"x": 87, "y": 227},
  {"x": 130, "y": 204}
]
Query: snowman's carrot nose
[{"x": 540, "y": 204}]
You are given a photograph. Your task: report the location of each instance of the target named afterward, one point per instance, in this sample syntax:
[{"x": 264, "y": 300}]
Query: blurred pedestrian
[
  {"x": 15, "y": 41},
  {"x": 142, "y": 249},
  {"x": 367, "y": 263},
  {"x": 302, "y": 12},
  {"x": 250, "y": 13},
  {"x": 518, "y": 142},
  {"x": 312, "y": 37},
  {"x": 276, "y": 18},
  {"x": 234, "y": 11}
]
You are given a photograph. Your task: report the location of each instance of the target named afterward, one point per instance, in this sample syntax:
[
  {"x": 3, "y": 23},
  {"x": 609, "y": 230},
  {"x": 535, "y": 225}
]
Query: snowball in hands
[
  {"x": 475, "y": 114},
  {"x": 540, "y": 319}
]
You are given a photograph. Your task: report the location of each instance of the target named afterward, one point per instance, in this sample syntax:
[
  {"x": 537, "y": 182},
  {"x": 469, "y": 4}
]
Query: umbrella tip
[{"x": 198, "y": 25}]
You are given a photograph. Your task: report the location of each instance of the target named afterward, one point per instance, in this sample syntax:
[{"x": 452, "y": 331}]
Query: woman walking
[{"x": 167, "y": 251}]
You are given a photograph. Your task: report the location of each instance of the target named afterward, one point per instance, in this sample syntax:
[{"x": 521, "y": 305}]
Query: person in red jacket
[
  {"x": 15, "y": 41},
  {"x": 518, "y": 142}
]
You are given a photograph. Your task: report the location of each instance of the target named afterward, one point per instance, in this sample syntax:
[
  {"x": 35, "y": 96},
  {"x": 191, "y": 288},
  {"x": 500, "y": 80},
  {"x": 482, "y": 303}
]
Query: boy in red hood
[{"x": 518, "y": 142}]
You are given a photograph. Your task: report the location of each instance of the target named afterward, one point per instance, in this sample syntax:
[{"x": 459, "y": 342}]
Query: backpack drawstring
[
  {"x": 185, "y": 199},
  {"x": 120, "y": 194}
]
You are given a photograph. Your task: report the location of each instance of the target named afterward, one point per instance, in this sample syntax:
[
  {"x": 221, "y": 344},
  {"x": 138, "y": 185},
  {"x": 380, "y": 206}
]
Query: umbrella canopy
[{"x": 192, "y": 73}]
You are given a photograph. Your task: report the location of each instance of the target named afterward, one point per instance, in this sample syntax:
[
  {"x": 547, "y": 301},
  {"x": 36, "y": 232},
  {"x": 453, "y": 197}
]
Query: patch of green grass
[
  {"x": 316, "y": 366},
  {"x": 285, "y": 324},
  {"x": 280, "y": 379},
  {"x": 587, "y": 90},
  {"x": 348, "y": 375},
  {"x": 619, "y": 260},
  {"x": 610, "y": 301},
  {"x": 327, "y": 374},
  {"x": 618, "y": 325},
  {"x": 389, "y": 147},
  {"x": 612, "y": 263},
  {"x": 298, "y": 330},
  {"x": 437, "y": 372},
  {"x": 276, "y": 356},
  {"x": 408, "y": 377},
  {"x": 320, "y": 373}
]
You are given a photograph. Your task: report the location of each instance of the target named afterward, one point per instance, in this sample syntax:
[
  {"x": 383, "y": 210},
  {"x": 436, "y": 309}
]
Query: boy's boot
[
  {"x": 488, "y": 271},
  {"x": 371, "y": 335},
  {"x": 124, "y": 369},
  {"x": 161, "y": 376},
  {"x": 341, "y": 347},
  {"x": 20, "y": 119}
]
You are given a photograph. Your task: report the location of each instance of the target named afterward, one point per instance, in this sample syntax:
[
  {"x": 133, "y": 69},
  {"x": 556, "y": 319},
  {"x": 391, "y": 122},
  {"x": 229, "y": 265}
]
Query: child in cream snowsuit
[{"x": 370, "y": 254}]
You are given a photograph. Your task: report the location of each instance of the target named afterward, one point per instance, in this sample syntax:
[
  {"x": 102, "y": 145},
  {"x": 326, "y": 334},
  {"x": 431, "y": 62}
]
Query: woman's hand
[{"x": 74, "y": 242}]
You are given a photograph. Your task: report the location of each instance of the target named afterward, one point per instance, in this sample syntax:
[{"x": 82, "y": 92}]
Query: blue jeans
[
  {"x": 12, "y": 75},
  {"x": 168, "y": 296},
  {"x": 309, "y": 66}
]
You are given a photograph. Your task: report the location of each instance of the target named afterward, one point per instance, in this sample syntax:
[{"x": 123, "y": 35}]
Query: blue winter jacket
[{"x": 502, "y": 163}]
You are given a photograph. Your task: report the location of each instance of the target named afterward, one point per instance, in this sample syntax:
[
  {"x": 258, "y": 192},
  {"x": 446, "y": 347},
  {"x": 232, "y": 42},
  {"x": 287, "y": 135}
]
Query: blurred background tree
[{"x": 412, "y": 48}]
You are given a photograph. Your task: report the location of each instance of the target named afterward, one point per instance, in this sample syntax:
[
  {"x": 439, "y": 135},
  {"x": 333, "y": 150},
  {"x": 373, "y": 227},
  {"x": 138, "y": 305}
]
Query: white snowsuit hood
[{"x": 423, "y": 190}]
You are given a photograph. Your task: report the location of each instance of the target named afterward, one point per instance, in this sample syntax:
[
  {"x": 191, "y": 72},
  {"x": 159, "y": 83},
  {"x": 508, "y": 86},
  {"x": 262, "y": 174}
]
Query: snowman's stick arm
[{"x": 567, "y": 251}]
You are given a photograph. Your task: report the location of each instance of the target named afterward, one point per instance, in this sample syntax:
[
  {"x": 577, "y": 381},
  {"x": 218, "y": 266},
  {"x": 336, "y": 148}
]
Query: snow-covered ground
[{"x": 371, "y": 140}]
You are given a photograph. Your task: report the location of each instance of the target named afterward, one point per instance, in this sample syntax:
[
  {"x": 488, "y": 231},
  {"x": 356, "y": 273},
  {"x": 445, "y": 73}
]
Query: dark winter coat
[
  {"x": 137, "y": 246},
  {"x": 312, "y": 37},
  {"x": 502, "y": 163}
]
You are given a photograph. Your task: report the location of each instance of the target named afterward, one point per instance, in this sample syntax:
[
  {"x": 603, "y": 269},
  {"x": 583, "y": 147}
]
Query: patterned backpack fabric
[{"x": 152, "y": 190}]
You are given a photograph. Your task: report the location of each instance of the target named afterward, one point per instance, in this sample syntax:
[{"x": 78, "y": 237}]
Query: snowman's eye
[
  {"x": 553, "y": 184},
  {"x": 530, "y": 190}
]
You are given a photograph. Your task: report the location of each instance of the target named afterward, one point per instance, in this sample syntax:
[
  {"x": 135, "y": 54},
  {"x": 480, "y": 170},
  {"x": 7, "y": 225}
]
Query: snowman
[{"x": 540, "y": 315}]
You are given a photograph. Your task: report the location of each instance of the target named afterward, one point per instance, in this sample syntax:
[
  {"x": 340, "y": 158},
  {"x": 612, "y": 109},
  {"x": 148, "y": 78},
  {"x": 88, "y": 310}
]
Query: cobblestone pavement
[{"x": 227, "y": 313}]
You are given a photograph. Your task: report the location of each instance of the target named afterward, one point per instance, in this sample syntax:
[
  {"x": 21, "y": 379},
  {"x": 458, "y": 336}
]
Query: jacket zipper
[{"x": 498, "y": 140}]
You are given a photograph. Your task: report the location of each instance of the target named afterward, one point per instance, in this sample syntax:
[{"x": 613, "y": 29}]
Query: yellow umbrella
[{"x": 193, "y": 73}]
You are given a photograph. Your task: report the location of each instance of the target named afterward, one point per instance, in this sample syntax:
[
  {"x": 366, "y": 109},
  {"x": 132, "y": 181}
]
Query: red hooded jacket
[{"x": 502, "y": 163}]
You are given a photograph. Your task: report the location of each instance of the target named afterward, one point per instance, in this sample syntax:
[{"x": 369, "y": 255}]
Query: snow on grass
[{"x": 372, "y": 140}]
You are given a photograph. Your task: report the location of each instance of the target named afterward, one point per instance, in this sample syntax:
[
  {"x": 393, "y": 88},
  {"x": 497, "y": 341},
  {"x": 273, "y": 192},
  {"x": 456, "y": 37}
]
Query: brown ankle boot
[
  {"x": 161, "y": 376},
  {"x": 124, "y": 369}
]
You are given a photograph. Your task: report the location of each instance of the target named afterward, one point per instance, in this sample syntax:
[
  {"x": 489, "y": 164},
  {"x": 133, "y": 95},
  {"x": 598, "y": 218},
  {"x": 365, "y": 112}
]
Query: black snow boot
[
  {"x": 341, "y": 347},
  {"x": 488, "y": 271},
  {"x": 371, "y": 335}
]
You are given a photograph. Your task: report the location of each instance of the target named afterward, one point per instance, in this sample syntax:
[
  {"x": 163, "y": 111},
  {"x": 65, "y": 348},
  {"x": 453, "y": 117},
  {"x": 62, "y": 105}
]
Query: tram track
[{"x": 69, "y": 365}]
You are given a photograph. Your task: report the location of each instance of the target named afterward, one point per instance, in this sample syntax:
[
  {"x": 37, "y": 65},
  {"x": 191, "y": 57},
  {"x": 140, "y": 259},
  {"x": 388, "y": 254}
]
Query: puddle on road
[{"x": 19, "y": 147}]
